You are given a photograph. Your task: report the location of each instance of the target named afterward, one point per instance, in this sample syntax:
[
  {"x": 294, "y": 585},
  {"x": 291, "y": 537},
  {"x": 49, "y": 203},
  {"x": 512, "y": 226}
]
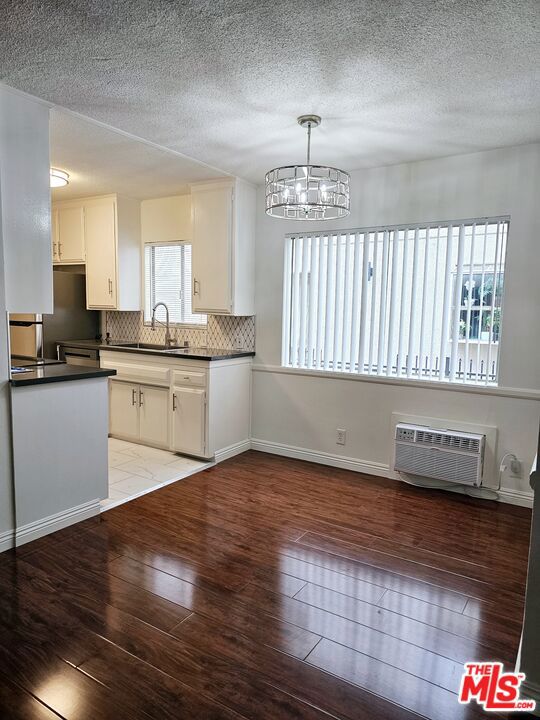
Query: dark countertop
[
  {"x": 193, "y": 353},
  {"x": 58, "y": 373}
]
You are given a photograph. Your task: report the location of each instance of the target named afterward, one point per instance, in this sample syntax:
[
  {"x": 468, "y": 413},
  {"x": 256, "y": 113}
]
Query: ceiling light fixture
[
  {"x": 307, "y": 192},
  {"x": 59, "y": 178}
]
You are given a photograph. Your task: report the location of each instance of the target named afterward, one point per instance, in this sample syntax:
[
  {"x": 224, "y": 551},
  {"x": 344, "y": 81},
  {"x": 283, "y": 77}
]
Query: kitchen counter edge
[{"x": 59, "y": 373}]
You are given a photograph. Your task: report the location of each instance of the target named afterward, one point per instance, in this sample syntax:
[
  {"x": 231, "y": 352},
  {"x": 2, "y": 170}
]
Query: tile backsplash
[{"x": 222, "y": 331}]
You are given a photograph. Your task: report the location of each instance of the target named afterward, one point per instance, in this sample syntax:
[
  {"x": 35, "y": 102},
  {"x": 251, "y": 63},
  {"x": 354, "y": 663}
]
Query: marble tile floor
[{"x": 135, "y": 470}]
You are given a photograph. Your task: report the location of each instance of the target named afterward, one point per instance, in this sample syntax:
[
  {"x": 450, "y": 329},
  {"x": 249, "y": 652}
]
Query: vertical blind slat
[
  {"x": 457, "y": 303},
  {"x": 321, "y": 294},
  {"x": 337, "y": 304},
  {"x": 303, "y": 303},
  {"x": 363, "y": 302},
  {"x": 412, "y": 315},
  {"x": 312, "y": 286},
  {"x": 347, "y": 309},
  {"x": 373, "y": 300},
  {"x": 382, "y": 312},
  {"x": 393, "y": 303},
  {"x": 401, "y": 341},
  {"x": 469, "y": 304},
  {"x": 354, "y": 309},
  {"x": 328, "y": 334},
  {"x": 493, "y": 297},
  {"x": 432, "y": 359}
]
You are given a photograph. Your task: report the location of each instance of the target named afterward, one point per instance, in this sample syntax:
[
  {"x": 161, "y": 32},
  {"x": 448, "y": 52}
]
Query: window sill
[{"x": 525, "y": 393}]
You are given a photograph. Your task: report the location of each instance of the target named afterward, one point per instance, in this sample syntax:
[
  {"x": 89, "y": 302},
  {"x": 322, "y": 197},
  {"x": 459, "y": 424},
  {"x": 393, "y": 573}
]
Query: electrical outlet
[
  {"x": 341, "y": 436},
  {"x": 238, "y": 342}
]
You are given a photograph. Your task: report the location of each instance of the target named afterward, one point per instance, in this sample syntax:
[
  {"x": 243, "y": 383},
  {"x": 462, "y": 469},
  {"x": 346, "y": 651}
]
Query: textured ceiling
[
  {"x": 101, "y": 161},
  {"x": 223, "y": 80}
]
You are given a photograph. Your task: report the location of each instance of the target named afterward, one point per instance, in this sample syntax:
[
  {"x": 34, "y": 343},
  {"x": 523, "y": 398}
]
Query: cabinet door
[
  {"x": 54, "y": 235},
  {"x": 124, "y": 410},
  {"x": 70, "y": 234},
  {"x": 212, "y": 250},
  {"x": 100, "y": 225},
  {"x": 154, "y": 415},
  {"x": 189, "y": 420}
]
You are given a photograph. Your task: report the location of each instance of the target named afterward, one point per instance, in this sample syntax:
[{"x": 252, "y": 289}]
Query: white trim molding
[
  {"x": 524, "y": 498},
  {"x": 500, "y": 391},
  {"x": 7, "y": 540},
  {"x": 232, "y": 450},
  {"x": 322, "y": 458},
  {"x": 44, "y": 526},
  {"x": 512, "y": 497}
]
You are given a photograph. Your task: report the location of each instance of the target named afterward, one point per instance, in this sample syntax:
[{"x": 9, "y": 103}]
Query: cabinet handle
[
  {"x": 110, "y": 286},
  {"x": 174, "y": 402},
  {"x": 54, "y": 251},
  {"x": 59, "y": 250},
  {"x": 133, "y": 397},
  {"x": 196, "y": 287},
  {"x": 141, "y": 398}
]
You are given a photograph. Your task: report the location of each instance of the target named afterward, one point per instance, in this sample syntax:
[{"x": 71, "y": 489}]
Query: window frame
[
  {"x": 458, "y": 378},
  {"x": 184, "y": 325}
]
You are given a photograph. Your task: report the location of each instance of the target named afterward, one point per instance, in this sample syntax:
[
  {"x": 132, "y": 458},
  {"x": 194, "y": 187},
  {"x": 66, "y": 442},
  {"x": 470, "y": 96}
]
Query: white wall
[
  {"x": 25, "y": 250},
  {"x": 303, "y": 411},
  {"x": 6, "y": 484}
]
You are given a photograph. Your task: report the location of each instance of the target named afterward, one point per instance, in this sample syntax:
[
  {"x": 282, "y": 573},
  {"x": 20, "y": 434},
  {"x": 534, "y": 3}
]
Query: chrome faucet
[{"x": 168, "y": 338}]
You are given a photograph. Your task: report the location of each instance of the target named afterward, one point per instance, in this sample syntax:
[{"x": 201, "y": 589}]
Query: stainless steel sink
[{"x": 148, "y": 346}]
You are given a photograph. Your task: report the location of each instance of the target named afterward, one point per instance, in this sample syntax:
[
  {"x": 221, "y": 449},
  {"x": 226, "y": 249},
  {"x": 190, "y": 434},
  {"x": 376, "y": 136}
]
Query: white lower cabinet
[
  {"x": 154, "y": 415},
  {"x": 189, "y": 420},
  {"x": 139, "y": 413},
  {"x": 195, "y": 407},
  {"x": 124, "y": 410}
]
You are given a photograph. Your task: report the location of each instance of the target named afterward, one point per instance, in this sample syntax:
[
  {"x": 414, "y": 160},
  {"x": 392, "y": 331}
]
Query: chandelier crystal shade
[{"x": 307, "y": 192}]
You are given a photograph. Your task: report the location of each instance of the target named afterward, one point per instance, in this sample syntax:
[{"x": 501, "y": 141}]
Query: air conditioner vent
[
  {"x": 471, "y": 444},
  {"x": 442, "y": 454}
]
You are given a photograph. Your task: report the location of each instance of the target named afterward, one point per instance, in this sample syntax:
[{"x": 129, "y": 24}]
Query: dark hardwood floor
[{"x": 263, "y": 588}]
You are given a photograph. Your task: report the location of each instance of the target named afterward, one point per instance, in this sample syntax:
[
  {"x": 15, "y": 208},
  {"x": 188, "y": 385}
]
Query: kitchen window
[
  {"x": 421, "y": 302},
  {"x": 167, "y": 278}
]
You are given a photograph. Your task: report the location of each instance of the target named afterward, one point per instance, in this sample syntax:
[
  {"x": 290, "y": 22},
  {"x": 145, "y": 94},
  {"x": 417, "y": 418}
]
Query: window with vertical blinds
[
  {"x": 167, "y": 278},
  {"x": 412, "y": 301}
]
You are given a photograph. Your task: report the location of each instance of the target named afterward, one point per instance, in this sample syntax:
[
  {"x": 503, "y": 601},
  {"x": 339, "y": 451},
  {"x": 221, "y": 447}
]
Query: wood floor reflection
[{"x": 263, "y": 588}]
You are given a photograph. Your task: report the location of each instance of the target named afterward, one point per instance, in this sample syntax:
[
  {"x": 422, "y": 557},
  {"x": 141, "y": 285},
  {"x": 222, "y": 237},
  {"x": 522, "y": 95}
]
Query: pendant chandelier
[{"x": 307, "y": 192}]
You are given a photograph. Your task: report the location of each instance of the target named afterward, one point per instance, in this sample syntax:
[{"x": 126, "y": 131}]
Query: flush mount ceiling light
[
  {"x": 59, "y": 178},
  {"x": 307, "y": 192}
]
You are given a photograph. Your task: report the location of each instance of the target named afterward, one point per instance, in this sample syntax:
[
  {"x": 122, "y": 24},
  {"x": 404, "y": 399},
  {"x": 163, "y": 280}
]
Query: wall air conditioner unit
[{"x": 450, "y": 455}]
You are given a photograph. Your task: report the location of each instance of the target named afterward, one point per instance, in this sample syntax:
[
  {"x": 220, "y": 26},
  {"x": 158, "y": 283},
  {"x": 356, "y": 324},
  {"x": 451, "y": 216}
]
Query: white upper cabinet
[
  {"x": 101, "y": 255},
  {"x": 166, "y": 219},
  {"x": 223, "y": 225},
  {"x": 68, "y": 233}
]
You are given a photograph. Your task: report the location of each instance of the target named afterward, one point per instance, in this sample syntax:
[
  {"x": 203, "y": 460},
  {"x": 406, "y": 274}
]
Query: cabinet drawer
[
  {"x": 189, "y": 378},
  {"x": 151, "y": 374}
]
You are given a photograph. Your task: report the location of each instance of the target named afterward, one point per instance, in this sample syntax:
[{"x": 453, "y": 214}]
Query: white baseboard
[
  {"x": 524, "y": 498},
  {"x": 531, "y": 691},
  {"x": 7, "y": 540},
  {"x": 39, "y": 528},
  {"x": 340, "y": 461},
  {"x": 232, "y": 450},
  {"x": 512, "y": 497}
]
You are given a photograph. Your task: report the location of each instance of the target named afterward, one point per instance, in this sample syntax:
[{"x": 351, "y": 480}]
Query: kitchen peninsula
[{"x": 59, "y": 427}]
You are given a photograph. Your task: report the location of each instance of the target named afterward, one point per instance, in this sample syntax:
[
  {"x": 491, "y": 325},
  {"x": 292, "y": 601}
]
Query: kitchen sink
[{"x": 149, "y": 346}]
